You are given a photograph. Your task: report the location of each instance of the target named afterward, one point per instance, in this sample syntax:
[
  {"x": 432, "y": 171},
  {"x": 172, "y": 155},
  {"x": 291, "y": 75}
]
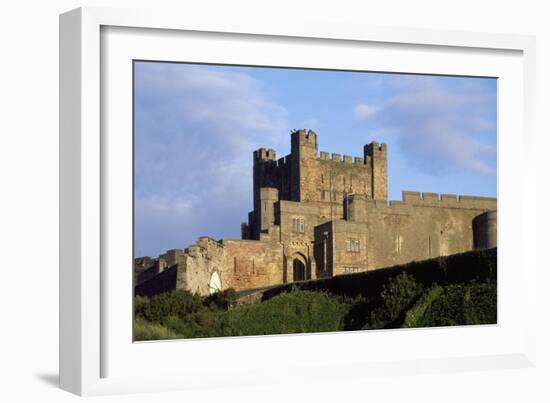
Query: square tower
[{"x": 376, "y": 156}]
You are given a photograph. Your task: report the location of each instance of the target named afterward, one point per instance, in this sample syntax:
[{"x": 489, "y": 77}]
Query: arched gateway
[{"x": 299, "y": 268}]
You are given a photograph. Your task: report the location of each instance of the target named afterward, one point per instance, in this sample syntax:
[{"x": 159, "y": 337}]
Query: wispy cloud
[
  {"x": 437, "y": 126},
  {"x": 196, "y": 128},
  {"x": 365, "y": 112}
]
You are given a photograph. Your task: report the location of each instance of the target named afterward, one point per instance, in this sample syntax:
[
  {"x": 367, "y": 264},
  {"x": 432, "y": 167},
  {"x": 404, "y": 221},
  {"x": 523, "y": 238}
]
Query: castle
[{"x": 318, "y": 215}]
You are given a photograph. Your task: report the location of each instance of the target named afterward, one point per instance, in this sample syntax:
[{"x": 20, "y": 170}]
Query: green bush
[
  {"x": 292, "y": 312},
  {"x": 221, "y": 300},
  {"x": 415, "y": 315},
  {"x": 481, "y": 303},
  {"x": 397, "y": 295},
  {"x": 463, "y": 304},
  {"x": 158, "y": 308}
]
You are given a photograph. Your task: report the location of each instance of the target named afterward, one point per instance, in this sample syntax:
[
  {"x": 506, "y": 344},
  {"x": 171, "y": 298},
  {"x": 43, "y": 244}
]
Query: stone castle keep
[{"x": 319, "y": 215}]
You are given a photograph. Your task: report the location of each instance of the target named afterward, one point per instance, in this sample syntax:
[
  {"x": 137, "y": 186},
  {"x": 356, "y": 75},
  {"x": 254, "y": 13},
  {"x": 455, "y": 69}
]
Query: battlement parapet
[
  {"x": 283, "y": 161},
  {"x": 263, "y": 154},
  {"x": 427, "y": 199},
  {"x": 336, "y": 157},
  {"x": 303, "y": 138},
  {"x": 374, "y": 148}
]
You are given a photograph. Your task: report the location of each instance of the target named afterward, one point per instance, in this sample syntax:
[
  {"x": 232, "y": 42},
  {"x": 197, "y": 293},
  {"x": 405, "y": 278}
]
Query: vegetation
[{"x": 424, "y": 294}]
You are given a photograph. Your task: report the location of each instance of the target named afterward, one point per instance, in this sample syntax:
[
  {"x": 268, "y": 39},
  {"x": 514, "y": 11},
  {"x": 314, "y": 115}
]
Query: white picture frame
[{"x": 94, "y": 342}]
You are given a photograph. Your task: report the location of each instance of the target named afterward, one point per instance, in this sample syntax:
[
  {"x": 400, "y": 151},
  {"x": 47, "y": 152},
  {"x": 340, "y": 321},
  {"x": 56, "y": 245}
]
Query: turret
[
  {"x": 355, "y": 207},
  {"x": 263, "y": 154},
  {"x": 264, "y": 172},
  {"x": 485, "y": 230},
  {"x": 268, "y": 198},
  {"x": 303, "y": 143},
  {"x": 376, "y": 156}
]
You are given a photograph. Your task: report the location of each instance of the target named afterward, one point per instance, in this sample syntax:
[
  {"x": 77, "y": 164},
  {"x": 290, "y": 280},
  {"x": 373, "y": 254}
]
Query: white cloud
[
  {"x": 436, "y": 126},
  {"x": 196, "y": 129},
  {"x": 364, "y": 111}
]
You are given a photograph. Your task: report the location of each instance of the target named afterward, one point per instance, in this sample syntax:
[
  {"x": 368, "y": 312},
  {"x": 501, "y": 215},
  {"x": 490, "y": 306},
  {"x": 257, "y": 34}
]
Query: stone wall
[
  {"x": 421, "y": 227},
  {"x": 252, "y": 264},
  {"x": 240, "y": 264}
]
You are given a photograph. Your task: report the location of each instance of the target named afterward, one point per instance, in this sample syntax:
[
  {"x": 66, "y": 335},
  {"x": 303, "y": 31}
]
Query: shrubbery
[
  {"x": 403, "y": 299},
  {"x": 292, "y": 312},
  {"x": 158, "y": 308},
  {"x": 223, "y": 300},
  {"x": 463, "y": 304}
]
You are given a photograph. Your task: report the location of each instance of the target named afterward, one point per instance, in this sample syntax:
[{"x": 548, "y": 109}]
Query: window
[
  {"x": 298, "y": 225},
  {"x": 352, "y": 245}
]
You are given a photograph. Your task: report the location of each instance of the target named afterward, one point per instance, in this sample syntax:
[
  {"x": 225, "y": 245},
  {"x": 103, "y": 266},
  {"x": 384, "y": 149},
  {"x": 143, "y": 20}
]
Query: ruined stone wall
[
  {"x": 421, "y": 226},
  {"x": 251, "y": 264},
  {"x": 161, "y": 282},
  {"x": 239, "y": 264},
  {"x": 199, "y": 263},
  {"x": 172, "y": 257}
]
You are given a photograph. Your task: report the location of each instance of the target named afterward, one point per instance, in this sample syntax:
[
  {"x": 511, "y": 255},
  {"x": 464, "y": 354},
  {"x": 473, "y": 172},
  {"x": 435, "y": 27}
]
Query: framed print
[{"x": 202, "y": 221}]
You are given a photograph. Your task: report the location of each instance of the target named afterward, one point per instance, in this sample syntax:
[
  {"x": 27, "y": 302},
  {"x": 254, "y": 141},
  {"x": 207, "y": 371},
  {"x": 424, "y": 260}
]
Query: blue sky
[{"x": 196, "y": 127}]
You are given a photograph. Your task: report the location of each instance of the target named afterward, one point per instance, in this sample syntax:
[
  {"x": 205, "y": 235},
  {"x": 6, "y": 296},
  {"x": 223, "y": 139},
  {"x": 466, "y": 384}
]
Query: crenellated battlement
[
  {"x": 428, "y": 199},
  {"x": 263, "y": 154},
  {"x": 375, "y": 148},
  {"x": 303, "y": 137},
  {"x": 335, "y": 157}
]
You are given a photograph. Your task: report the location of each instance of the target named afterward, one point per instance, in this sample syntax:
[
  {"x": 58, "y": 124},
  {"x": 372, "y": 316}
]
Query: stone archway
[
  {"x": 299, "y": 268},
  {"x": 215, "y": 284}
]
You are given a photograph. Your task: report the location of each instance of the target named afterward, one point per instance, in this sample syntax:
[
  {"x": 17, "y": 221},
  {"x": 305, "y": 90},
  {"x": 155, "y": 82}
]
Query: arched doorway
[
  {"x": 215, "y": 283},
  {"x": 299, "y": 269}
]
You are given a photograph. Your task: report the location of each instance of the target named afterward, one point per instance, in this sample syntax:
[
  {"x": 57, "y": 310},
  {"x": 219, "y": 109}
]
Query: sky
[{"x": 196, "y": 127}]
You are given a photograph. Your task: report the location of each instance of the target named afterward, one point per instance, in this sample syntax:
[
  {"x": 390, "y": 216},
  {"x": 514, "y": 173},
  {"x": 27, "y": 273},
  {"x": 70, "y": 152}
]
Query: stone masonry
[{"x": 322, "y": 215}]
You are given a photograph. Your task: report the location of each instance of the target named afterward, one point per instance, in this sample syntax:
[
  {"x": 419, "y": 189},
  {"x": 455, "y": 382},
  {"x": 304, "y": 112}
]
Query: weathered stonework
[{"x": 319, "y": 215}]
